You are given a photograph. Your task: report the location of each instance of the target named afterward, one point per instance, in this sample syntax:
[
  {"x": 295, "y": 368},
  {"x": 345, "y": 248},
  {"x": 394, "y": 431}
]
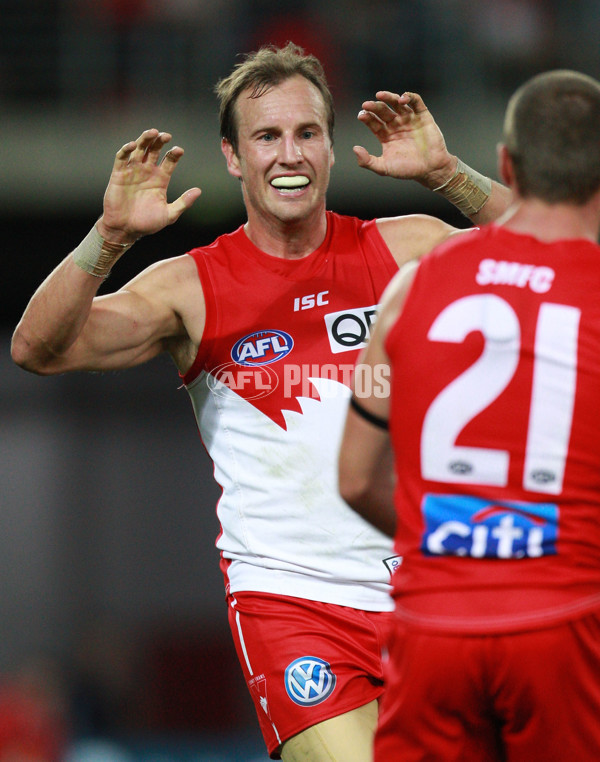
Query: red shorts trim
[
  {"x": 527, "y": 696},
  {"x": 306, "y": 661}
]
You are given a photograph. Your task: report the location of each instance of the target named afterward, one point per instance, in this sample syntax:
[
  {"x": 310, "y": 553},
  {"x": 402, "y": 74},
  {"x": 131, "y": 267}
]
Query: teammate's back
[{"x": 498, "y": 454}]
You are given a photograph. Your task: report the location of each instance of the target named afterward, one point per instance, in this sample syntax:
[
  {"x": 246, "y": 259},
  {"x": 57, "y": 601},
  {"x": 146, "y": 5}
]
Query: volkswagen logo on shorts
[{"x": 309, "y": 680}]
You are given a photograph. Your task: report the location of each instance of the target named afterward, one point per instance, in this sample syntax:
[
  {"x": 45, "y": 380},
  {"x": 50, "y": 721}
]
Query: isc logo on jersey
[
  {"x": 262, "y": 348},
  {"x": 350, "y": 329},
  {"x": 468, "y": 526}
]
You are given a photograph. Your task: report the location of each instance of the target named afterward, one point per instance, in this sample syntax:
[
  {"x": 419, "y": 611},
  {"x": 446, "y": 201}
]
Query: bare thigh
[{"x": 345, "y": 738}]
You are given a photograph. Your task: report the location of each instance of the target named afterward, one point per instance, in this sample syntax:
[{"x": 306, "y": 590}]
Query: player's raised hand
[
  {"x": 412, "y": 145},
  {"x": 135, "y": 201}
]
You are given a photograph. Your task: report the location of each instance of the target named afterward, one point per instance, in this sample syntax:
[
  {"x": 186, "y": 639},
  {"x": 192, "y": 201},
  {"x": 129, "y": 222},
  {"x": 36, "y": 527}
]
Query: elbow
[
  {"x": 346, "y": 481},
  {"x": 369, "y": 499},
  {"x": 20, "y": 351},
  {"x": 359, "y": 493},
  {"x": 353, "y": 490},
  {"x": 26, "y": 357}
]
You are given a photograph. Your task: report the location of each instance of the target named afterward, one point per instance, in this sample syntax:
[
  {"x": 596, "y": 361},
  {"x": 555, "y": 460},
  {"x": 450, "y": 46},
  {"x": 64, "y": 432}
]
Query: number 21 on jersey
[{"x": 551, "y": 402}]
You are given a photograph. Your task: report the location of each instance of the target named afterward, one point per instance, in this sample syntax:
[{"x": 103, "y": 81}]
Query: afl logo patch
[
  {"x": 262, "y": 347},
  {"x": 309, "y": 680}
]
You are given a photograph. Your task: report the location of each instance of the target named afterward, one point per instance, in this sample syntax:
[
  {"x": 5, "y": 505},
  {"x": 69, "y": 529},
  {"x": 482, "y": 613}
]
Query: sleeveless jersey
[
  {"x": 495, "y": 395},
  {"x": 270, "y": 389}
]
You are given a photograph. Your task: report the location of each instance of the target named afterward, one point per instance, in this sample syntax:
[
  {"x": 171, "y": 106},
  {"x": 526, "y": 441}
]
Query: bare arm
[
  {"x": 366, "y": 472},
  {"x": 413, "y": 148},
  {"x": 365, "y": 461},
  {"x": 66, "y": 326},
  {"x": 113, "y": 331}
]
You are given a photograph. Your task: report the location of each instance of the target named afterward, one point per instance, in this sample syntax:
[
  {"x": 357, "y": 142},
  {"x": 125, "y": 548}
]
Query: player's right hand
[{"x": 135, "y": 201}]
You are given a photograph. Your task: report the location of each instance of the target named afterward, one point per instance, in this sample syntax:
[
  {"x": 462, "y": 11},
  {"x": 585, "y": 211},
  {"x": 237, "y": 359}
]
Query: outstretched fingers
[
  {"x": 124, "y": 154},
  {"x": 364, "y": 158},
  {"x": 185, "y": 201},
  {"x": 151, "y": 149},
  {"x": 415, "y": 102},
  {"x": 378, "y": 113},
  {"x": 146, "y": 148},
  {"x": 390, "y": 110},
  {"x": 135, "y": 201},
  {"x": 170, "y": 159},
  {"x": 407, "y": 103}
]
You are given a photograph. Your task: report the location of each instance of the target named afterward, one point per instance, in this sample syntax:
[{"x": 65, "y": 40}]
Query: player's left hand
[{"x": 413, "y": 147}]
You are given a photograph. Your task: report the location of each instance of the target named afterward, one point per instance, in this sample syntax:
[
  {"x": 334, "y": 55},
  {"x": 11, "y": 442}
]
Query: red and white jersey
[
  {"x": 270, "y": 389},
  {"x": 495, "y": 397}
]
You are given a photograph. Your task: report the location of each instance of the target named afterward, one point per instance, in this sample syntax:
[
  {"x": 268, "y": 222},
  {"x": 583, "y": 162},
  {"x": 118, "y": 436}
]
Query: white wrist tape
[
  {"x": 97, "y": 256},
  {"x": 466, "y": 189}
]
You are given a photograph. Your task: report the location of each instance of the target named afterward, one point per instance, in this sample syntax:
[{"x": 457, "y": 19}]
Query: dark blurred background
[{"x": 113, "y": 629}]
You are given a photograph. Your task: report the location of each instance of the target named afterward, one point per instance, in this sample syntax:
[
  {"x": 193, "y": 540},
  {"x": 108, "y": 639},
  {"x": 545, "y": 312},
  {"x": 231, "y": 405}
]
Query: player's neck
[
  {"x": 293, "y": 239},
  {"x": 554, "y": 222}
]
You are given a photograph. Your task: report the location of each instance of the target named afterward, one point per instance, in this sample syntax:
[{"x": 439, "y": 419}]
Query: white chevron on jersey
[{"x": 280, "y": 508}]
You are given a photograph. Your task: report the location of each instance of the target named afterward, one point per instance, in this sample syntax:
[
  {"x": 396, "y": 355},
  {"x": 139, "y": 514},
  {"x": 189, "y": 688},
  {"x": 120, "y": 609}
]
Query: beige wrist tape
[
  {"x": 466, "y": 189},
  {"x": 97, "y": 256}
]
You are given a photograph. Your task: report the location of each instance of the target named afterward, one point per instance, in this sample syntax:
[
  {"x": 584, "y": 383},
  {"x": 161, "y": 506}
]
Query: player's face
[{"x": 284, "y": 153}]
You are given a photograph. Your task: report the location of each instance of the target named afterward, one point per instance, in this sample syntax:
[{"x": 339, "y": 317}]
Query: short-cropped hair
[{"x": 552, "y": 133}]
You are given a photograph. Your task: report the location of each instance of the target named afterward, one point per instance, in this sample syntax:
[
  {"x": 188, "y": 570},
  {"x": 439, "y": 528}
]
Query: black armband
[{"x": 381, "y": 423}]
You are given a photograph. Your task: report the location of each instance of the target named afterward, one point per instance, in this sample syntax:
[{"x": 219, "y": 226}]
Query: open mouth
[{"x": 290, "y": 183}]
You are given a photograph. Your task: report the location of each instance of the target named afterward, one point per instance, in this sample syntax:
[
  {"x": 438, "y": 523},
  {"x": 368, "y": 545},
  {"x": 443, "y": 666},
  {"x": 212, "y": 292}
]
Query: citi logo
[
  {"x": 462, "y": 525},
  {"x": 309, "y": 680},
  {"x": 262, "y": 347}
]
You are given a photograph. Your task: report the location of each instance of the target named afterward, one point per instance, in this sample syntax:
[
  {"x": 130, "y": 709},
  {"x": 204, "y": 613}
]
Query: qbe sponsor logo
[
  {"x": 309, "y": 680},
  {"x": 468, "y": 526},
  {"x": 350, "y": 329},
  {"x": 262, "y": 348}
]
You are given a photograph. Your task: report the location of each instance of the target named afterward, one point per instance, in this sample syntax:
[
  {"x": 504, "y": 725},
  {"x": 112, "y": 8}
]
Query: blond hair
[{"x": 261, "y": 70}]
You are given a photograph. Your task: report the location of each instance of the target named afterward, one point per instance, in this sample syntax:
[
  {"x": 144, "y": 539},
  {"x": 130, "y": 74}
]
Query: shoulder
[
  {"x": 224, "y": 245},
  {"x": 413, "y": 235},
  {"x": 347, "y": 223},
  {"x": 171, "y": 285},
  {"x": 395, "y": 295},
  {"x": 165, "y": 275},
  {"x": 351, "y": 234}
]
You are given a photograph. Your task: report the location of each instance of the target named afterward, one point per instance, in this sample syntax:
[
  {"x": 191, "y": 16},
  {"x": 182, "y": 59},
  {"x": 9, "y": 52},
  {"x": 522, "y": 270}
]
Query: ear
[
  {"x": 331, "y": 158},
  {"x": 505, "y": 166},
  {"x": 233, "y": 162}
]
